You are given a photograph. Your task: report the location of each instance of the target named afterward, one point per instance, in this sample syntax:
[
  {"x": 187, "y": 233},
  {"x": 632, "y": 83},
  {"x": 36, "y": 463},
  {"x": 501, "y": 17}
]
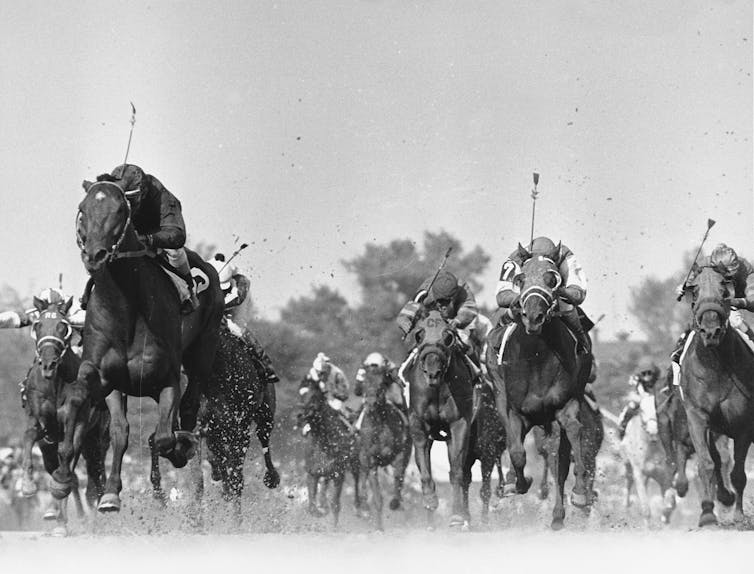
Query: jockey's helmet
[
  {"x": 321, "y": 363},
  {"x": 445, "y": 287},
  {"x": 647, "y": 372},
  {"x": 51, "y": 296},
  {"x": 225, "y": 271},
  {"x": 725, "y": 260},
  {"x": 545, "y": 247},
  {"x": 375, "y": 360},
  {"x": 130, "y": 178}
]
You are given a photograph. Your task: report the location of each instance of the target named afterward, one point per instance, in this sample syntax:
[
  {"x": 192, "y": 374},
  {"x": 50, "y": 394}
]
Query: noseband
[
  {"x": 61, "y": 343},
  {"x": 543, "y": 292}
]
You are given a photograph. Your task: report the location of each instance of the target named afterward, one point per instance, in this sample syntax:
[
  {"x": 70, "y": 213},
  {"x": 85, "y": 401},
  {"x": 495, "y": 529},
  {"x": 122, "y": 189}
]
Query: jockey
[
  {"x": 395, "y": 391},
  {"x": 456, "y": 304},
  {"x": 235, "y": 288},
  {"x": 158, "y": 221},
  {"x": 333, "y": 383},
  {"x": 47, "y": 297},
  {"x": 740, "y": 273},
  {"x": 571, "y": 294},
  {"x": 642, "y": 383}
]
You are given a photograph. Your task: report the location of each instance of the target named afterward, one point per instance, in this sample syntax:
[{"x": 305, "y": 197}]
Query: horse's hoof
[
  {"x": 431, "y": 502},
  {"x": 395, "y": 504},
  {"x": 682, "y": 488},
  {"x": 707, "y": 519},
  {"x": 725, "y": 497},
  {"x": 59, "y": 490},
  {"x": 59, "y": 532},
  {"x": 544, "y": 493},
  {"x": 316, "y": 512},
  {"x": 271, "y": 478},
  {"x": 51, "y": 513},
  {"x": 739, "y": 517},
  {"x": 500, "y": 491},
  {"x": 524, "y": 488},
  {"x": 666, "y": 513},
  {"x": 509, "y": 490},
  {"x": 176, "y": 457},
  {"x": 557, "y": 524},
  {"x": 110, "y": 502},
  {"x": 28, "y": 487},
  {"x": 457, "y": 521},
  {"x": 465, "y": 527},
  {"x": 578, "y": 499}
]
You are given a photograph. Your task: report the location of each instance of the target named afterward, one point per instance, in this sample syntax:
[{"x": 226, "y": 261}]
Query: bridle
[
  {"x": 62, "y": 343},
  {"x": 543, "y": 293}
]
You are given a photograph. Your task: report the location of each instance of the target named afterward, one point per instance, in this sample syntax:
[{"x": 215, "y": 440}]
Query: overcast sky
[{"x": 311, "y": 128}]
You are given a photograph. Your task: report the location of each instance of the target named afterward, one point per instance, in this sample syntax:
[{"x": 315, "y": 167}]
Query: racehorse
[
  {"x": 58, "y": 410},
  {"x": 717, "y": 379},
  {"x": 486, "y": 444},
  {"x": 235, "y": 397},
  {"x": 383, "y": 440},
  {"x": 331, "y": 448},
  {"x": 440, "y": 408},
  {"x": 539, "y": 379},
  {"x": 134, "y": 339},
  {"x": 674, "y": 434},
  {"x": 645, "y": 459}
]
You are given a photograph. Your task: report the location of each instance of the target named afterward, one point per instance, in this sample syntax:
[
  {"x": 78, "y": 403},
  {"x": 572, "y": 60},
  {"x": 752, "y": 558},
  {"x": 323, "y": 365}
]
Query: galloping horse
[
  {"x": 674, "y": 434},
  {"x": 383, "y": 440},
  {"x": 331, "y": 448},
  {"x": 57, "y": 410},
  {"x": 235, "y": 397},
  {"x": 717, "y": 378},
  {"x": 486, "y": 444},
  {"x": 134, "y": 341},
  {"x": 537, "y": 385},
  {"x": 440, "y": 408}
]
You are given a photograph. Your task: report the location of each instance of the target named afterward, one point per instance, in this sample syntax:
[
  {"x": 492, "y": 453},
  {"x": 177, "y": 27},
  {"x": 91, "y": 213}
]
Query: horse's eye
[
  {"x": 448, "y": 339},
  {"x": 419, "y": 335}
]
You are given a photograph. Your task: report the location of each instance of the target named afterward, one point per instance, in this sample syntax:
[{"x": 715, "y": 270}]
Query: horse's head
[
  {"x": 710, "y": 293},
  {"x": 434, "y": 339},
  {"x": 375, "y": 384},
  {"x": 312, "y": 395},
  {"x": 538, "y": 282},
  {"x": 52, "y": 333},
  {"x": 103, "y": 220}
]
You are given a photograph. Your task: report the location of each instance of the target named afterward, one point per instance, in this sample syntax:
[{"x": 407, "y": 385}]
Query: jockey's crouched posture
[
  {"x": 570, "y": 294},
  {"x": 456, "y": 304},
  {"x": 235, "y": 288},
  {"x": 642, "y": 383},
  {"x": 334, "y": 385},
  {"x": 16, "y": 320},
  {"x": 394, "y": 392},
  {"x": 157, "y": 218},
  {"x": 740, "y": 273}
]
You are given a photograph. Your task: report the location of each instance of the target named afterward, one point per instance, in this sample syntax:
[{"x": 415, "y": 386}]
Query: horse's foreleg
[
  {"x": 699, "y": 430},
  {"x": 399, "y": 474},
  {"x": 568, "y": 418},
  {"x": 164, "y": 437},
  {"x": 458, "y": 446},
  {"x": 265, "y": 420},
  {"x": 422, "y": 448},
  {"x": 119, "y": 429},
  {"x": 516, "y": 432},
  {"x": 544, "y": 487},
  {"x": 485, "y": 492},
  {"x": 337, "y": 489},
  {"x": 31, "y": 435},
  {"x": 723, "y": 470},
  {"x": 374, "y": 486},
  {"x": 69, "y": 415},
  {"x": 154, "y": 473},
  {"x": 560, "y": 461},
  {"x": 681, "y": 459},
  {"x": 738, "y": 475},
  {"x": 637, "y": 470}
]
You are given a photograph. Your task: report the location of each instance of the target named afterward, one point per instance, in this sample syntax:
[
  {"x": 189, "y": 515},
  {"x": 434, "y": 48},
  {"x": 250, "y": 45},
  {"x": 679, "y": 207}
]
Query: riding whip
[
  {"x": 534, "y": 194},
  {"x": 429, "y": 287},
  {"x": 130, "y": 134},
  {"x": 710, "y": 223},
  {"x": 235, "y": 253}
]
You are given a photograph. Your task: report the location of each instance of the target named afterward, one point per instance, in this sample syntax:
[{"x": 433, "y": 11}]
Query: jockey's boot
[
  {"x": 84, "y": 299},
  {"x": 192, "y": 303},
  {"x": 572, "y": 321},
  {"x": 675, "y": 358}
]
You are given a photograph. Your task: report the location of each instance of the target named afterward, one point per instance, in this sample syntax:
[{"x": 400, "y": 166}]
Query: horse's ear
[
  {"x": 522, "y": 251},
  {"x": 39, "y": 304},
  {"x": 86, "y": 184},
  {"x": 558, "y": 252},
  {"x": 67, "y": 305}
]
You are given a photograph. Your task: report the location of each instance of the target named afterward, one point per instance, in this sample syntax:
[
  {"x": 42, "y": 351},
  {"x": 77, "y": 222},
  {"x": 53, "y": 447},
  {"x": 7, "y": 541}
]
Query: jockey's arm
[
  {"x": 507, "y": 292},
  {"x": 172, "y": 233},
  {"x": 13, "y": 320},
  {"x": 574, "y": 278},
  {"x": 747, "y": 301},
  {"x": 467, "y": 310}
]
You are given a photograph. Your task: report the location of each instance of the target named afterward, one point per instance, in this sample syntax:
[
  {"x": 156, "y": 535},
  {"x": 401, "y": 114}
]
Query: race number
[
  {"x": 508, "y": 271},
  {"x": 201, "y": 281}
]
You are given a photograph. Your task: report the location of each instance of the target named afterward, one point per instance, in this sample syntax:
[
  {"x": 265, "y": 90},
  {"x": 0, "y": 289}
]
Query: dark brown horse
[
  {"x": 440, "y": 408},
  {"x": 486, "y": 444},
  {"x": 235, "y": 398},
  {"x": 383, "y": 440},
  {"x": 717, "y": 378},
  {"x": 62, "y": 418},
  {"x": 674, "y": 434},
  {"x": 331, "y": 448},
  {"x": 134, "y": 339},
  {"x": 540, "y": 380}
]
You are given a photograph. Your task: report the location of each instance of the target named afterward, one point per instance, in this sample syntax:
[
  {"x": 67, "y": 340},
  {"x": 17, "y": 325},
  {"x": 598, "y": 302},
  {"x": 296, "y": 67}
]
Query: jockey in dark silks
[
  {"x": 16, "y": 320},
  {"x": 571, "y": 294},
  {"x": 394, "y": 392},
  {"x": 740, "y": 275},
  {"x": 157, "y": 218},
  {"x": 235, "y": 288},
  {"x": 643, "y": 382},
  {"x": 456, "y": 304}
]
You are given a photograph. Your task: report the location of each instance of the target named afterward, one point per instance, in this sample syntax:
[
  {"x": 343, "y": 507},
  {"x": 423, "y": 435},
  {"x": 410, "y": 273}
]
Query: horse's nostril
[{"x": 99, "y": 256}]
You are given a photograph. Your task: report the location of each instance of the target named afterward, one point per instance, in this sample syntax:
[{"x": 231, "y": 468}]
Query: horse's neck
[{"x": 328, "y": 425}]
